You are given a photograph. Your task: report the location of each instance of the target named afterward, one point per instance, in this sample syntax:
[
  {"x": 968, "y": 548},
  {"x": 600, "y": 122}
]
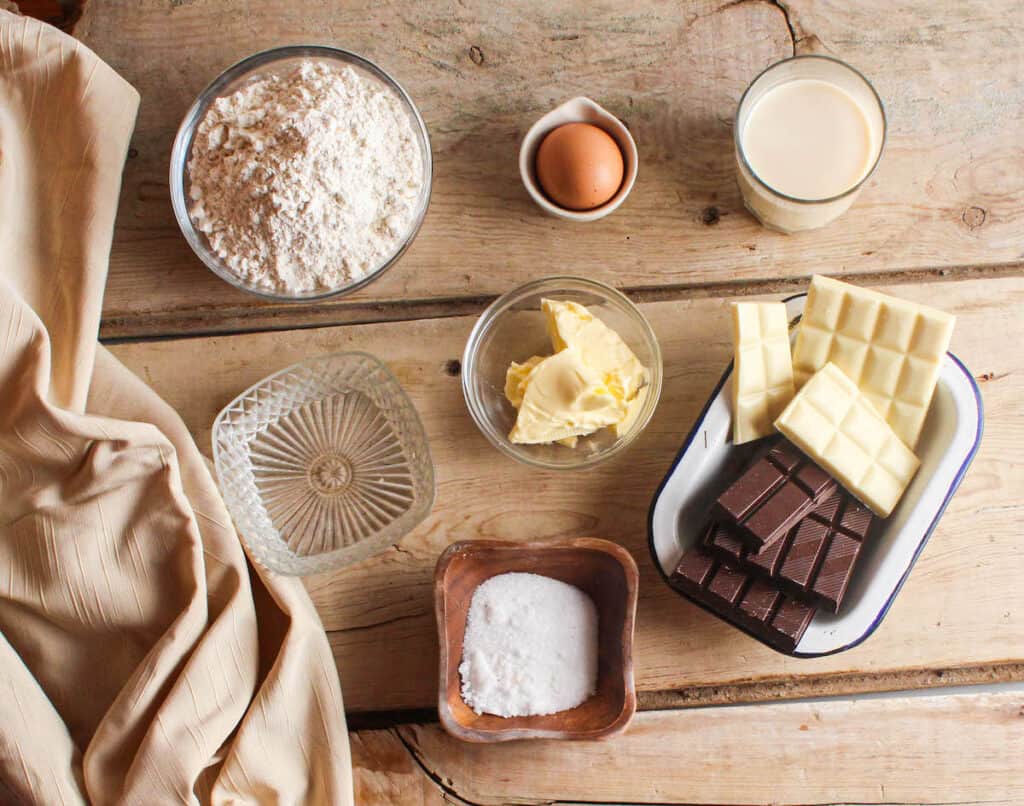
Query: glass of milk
[{"x": 809, "y": 132}]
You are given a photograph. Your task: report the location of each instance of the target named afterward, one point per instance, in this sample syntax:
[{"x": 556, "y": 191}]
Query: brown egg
[{"x": 579, "y": 166}]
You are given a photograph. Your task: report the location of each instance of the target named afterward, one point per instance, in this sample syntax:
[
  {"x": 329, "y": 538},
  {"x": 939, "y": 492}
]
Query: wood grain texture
[
  {"x": 949, "y": 191},
  {"x": 955, "y": 748},
  {"x": 386, "y": 773},
  {"x": 962, "y": 606}
]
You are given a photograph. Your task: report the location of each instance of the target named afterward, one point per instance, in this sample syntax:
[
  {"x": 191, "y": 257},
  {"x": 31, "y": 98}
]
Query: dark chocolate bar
[
  {"x": 742, "y": 598},
  {"x": 816, "y": 557},
  {"x": 772, "y": 495}
]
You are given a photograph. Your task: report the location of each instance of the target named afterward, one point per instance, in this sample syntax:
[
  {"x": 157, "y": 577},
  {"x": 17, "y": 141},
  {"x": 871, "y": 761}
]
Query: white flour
[
  {"x": 306, "y": 180},
  {"x": 530, "y": 646}
]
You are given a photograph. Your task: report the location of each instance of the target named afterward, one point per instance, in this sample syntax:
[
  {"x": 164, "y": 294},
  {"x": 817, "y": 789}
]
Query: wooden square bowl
[{"x": 604, "y": 571}]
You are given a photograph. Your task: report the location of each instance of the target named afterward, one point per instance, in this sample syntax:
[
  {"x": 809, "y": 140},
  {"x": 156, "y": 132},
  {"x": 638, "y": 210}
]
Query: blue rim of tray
[{"x": 880, "y": 617}]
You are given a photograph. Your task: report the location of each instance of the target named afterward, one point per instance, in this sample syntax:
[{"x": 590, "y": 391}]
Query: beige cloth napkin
[{"x": 141, "y": 659}]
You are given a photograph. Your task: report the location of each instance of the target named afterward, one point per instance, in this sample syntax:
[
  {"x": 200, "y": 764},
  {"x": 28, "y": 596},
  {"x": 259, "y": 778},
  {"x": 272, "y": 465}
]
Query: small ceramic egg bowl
[
  {"x": 604, "y": 571},
  {"x": 578, "y": 110}
]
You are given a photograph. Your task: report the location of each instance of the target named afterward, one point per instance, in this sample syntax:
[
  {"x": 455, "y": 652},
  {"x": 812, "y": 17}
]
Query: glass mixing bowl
[
  {"x": 323, "y": 464},
  {"x": 513, "y": 329},
  {"x": 261, "y": 64}
]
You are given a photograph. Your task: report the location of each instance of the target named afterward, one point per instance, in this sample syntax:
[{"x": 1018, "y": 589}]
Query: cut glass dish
[{"x": 323, "y": 464}]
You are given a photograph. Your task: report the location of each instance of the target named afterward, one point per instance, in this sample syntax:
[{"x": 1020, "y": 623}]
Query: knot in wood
[{"x": 974, "y": 217}]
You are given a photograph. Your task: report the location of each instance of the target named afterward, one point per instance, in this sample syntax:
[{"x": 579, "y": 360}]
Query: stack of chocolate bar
[{"x": 782, "y": 541}]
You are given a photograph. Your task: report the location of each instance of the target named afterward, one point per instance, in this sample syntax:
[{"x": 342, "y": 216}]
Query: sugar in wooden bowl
[
  {"x": 601, "y": 572},
  {"x": 530, "y": 646}
]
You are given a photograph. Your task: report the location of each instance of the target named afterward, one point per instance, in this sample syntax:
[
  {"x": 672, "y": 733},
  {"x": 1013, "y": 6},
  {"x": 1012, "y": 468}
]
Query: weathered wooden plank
[
  {"x": 950, "y": 190},
  {"x": 954, "y": 748},
  {"x": 386, "y": 773},
  {"x": 962, "y": 607}
]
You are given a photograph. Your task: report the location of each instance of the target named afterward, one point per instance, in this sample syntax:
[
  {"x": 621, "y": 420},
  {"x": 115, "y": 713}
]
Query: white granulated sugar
[
  {"x": 530, "y": 646},
  {"x": 306, "y": 180}
]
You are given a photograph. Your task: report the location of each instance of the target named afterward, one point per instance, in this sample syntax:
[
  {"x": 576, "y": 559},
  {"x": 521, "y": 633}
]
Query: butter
[
  {"x": 569, "y": 323},
  {"x": 515, "y": 389},
  {"x": 592, "y": 381},
  {"x": 622, "y": 427},
  {"x": 515, "y": 379},
  {"x": 563, "y": 397}
]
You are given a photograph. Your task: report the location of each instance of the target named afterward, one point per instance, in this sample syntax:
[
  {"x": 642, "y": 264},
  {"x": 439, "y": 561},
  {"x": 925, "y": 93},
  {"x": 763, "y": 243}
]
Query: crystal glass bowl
[
  {"x": 253, "y": 67},
  {"x": 514, "y": 328},
  {"x": 323, "y": 464}
]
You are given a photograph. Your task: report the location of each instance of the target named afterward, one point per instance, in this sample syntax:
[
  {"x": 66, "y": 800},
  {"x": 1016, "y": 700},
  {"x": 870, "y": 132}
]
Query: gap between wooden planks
[
  {"x": 948, "y": 191},
  {"x": 242, "y": 319},
  {"x": 960, "y": 610},
  {"x": 936, "y": 749}
]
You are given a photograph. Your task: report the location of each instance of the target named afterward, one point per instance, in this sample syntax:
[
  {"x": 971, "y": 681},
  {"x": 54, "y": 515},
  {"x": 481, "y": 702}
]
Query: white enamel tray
[{"x": 708, "y": 460}]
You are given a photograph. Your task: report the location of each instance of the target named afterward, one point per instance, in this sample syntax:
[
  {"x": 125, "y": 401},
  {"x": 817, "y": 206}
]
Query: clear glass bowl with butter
[{"x": 513, "y": 329}]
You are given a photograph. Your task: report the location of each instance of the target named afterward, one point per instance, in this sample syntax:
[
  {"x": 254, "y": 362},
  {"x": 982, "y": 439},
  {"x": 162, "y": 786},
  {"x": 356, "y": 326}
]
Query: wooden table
[{"x": 942, "y": 221}]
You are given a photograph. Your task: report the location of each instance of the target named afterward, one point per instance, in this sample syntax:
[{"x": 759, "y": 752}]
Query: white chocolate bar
[
  {"x": 892, "y": 349},
  {"x": 837, "y": 426},
  {"x": 762, "y": 378}
]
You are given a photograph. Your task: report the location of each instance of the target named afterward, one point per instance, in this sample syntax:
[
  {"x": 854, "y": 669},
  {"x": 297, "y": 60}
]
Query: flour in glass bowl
[{"x": 306, "y": 180}]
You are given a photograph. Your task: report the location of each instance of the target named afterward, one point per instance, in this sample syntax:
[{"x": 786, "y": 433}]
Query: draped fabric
[{"x": 142, "y": 660}]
